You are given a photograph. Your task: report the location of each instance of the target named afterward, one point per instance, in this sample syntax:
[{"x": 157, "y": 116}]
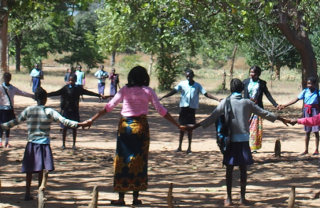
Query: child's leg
[
  {"x": 74, "y": 138},
  {"x": 7, "y": 138},
  {"x": 28, "y": 196},
  {"x": 189, "y": 141},
  {"x": 136, "y": 201},
  {"x": 64, "y": 135},
  {"x": 180, "y": 141},
  {"x": 229, "y": 184},
  {"x": 1, "y": 133},
  {"x": 40, "y": 176},
  {"x": 316, "y": 134},
  {"x": 243, "y": 183},
  {"x": 307, "y": 142},
  {"x": 120, "y": 201}
]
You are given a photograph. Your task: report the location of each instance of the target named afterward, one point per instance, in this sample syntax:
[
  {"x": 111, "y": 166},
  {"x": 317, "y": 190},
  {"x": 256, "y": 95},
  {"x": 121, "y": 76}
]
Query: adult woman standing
[
  {"x": 131, "y": 160},
  {"x": 254, "y": 88}
]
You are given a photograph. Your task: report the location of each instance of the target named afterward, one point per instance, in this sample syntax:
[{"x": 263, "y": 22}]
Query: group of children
[{"x": 38, "y": 155}]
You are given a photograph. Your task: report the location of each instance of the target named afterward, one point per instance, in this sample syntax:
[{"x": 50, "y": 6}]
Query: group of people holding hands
[{"x": 133, "y": 138}]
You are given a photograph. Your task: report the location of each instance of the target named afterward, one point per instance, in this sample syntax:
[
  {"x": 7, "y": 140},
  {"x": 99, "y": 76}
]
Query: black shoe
[
  {"x": 136, "y": 202},
  {"x": 188, "y": 151},
  {"x": 178, "y": 150},
  {"x": 118, "y": 203}
]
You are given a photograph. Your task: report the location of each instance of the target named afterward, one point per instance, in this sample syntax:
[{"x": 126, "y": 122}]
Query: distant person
[
  {"x": 114, "y": 82},
  {"x": 36, "y": 76},
  {"x": 101, "y": 75},
  {"x": 7, "y": 93},
  {"x": 310, "y": 97},
  {"x": 189, "y": 102},
  {"x": 133, "y": 139},
  {"x": 38, "y": 155},
  {"x": 80, "y": 82},
  {"x": 254, "y": 88},
  {"x": 68, "y": 75},
  {"x": 238, "y": 152},
  {"x": 70, "y": 95}
]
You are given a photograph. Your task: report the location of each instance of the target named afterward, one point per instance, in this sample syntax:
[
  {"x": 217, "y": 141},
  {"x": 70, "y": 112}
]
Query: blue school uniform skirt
[
  {"x": 37, "y": 157},
  {"x": 239, "y": 153},
  {"x": 113, "y": 88},
  {"x": 101, "y": 87},
  {"x": 71, "y": 115},
  {"x": 6, "y": 115},
  {"x": 131, "y": 160},
  {"x": 314, "y": 112}
]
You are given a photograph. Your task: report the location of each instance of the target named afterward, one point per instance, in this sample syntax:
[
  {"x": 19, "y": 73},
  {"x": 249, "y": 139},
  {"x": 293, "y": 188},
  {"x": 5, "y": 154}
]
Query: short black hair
[
  {"x": 6, "y": 75},
  {"x": 236, "y": 85},
  {"x": 138, "y": 76},
  {"x": 40, "y": 94},
  {"x": 313, "y": 80},
  {"x": 256, "y": 69},
  {"x": 190, "y": 71}
]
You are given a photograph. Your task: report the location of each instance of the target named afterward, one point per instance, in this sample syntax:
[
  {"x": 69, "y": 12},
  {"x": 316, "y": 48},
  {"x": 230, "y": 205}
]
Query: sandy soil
[{"x": 198, "y": 178}]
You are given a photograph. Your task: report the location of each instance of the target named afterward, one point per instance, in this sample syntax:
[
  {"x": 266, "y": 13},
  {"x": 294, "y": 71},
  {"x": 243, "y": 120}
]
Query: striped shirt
[{"x": 39, "y": 119}]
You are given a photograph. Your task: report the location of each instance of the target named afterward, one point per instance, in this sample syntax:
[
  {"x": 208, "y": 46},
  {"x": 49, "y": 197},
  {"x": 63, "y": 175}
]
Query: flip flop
[{"x": 118, "y": 203}]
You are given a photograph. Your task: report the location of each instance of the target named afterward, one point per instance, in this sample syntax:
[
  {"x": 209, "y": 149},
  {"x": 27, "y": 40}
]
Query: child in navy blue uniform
[{"x": 310, "y": 97}]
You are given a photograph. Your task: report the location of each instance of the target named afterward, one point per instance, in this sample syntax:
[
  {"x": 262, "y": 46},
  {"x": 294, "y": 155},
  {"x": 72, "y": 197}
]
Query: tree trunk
[
  {"x": 17, "y": 41},
  {"x": 232, "y": 63},
  {"x": 4, "y": 40},
  {"x": 113, "y": 58},
  {"x": 150, "y": 64},
  {"x": 277, "y": 71},
  {"x": 300, "y": 40}
]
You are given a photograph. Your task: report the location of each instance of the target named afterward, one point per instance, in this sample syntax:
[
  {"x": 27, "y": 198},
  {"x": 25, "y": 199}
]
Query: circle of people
[{"x": 133, "y": 138}]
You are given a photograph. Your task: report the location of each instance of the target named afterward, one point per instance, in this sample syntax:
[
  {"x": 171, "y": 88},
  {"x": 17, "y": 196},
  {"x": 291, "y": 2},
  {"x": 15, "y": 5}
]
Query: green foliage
[{"x": 128, "y": 62}]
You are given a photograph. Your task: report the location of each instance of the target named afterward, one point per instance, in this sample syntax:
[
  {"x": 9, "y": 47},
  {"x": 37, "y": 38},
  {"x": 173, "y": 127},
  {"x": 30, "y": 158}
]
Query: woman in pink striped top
[{"x": 131, "y": 160}]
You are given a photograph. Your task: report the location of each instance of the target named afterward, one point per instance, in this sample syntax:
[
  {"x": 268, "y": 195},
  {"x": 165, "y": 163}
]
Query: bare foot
[
  {"x": 227, "y": 202},
  {"x": 243, "y": 201}
]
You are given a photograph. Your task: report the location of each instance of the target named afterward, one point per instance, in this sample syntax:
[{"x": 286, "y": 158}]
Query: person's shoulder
[{"x": 261, "y": 81}]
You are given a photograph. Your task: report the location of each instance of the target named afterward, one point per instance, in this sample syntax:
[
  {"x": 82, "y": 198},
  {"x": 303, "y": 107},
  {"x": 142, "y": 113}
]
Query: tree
[
  {"x": 7, "y": 6},
  {"x": 269, "y": 49},
  {"x": 82, "y": 41},
  {"x": 154, "y": 27}
]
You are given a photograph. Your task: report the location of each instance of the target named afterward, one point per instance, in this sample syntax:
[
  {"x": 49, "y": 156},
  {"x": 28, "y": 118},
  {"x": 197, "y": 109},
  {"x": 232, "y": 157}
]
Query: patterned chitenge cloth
[
  {"x": 255, "y": 132},
  {"x": 131, "y": 160}
]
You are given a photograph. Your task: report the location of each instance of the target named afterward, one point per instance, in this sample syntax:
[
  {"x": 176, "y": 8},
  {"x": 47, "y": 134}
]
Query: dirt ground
[{"x": 198, "y": 178}]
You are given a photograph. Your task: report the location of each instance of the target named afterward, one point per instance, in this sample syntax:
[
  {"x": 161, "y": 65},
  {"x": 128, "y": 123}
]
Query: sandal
[
  {"x": 315, "y": 153},
  {"x": 304, "y": 153},
  {"x": 136, "y": 202},
  {"x": 118, "y": 202}
]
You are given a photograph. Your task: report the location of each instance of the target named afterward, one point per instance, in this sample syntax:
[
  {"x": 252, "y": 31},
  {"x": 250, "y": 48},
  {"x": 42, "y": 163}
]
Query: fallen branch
[
  {"x": 94, "y": 201},
  {"x": 170, "y": 197},
  {"x": 41, "y": 198}
]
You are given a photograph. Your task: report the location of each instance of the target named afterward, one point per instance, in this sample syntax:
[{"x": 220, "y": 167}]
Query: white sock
[{"x": 0, "y": 139}]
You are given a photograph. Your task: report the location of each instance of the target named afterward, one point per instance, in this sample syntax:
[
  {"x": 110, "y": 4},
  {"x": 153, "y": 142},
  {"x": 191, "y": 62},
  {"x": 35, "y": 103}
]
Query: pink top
[
  {"x": 311, "y": 121},
  {"x": 136, "y": 101}
]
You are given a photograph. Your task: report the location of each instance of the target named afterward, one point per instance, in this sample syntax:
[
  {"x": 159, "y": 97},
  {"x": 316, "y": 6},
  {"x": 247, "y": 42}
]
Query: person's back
[{"x": 135, "y": 100}]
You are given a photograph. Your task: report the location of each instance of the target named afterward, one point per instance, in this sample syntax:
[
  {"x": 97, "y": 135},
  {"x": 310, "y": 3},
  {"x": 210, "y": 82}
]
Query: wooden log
[
  {"x": 170, "y": 197},
  {"x": 94, "y": 201},
  {"x": 292, "y": 197},
  {"x": 277, "y": 148},
  {"x": 41, "y": 198},
  {"x": 232, "y": 62}
]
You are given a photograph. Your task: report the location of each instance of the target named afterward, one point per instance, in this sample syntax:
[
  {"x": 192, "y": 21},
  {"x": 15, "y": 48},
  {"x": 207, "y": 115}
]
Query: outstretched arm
[
  {"x": 173, "y": 121},
  {"x": 212, "y": 97},
  {"x": 290, "y": 103},
  {"x": 169, "y": 94},
  {"x": 311, "y": 121},
  {"x": 102, "y": 112}
]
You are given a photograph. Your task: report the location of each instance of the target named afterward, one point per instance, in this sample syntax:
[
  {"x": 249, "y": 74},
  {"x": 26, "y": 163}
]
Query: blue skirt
[
  {"x": 239, "y": 153},
  {"x": 72, "y": 115},
  {"x": 131, "y": 160},
  {"x": 314, "y": 112},
  {"x": 36, "y": 158},
  {"x": 6, "y": 115},
  {"x": 113, "y": 89}
]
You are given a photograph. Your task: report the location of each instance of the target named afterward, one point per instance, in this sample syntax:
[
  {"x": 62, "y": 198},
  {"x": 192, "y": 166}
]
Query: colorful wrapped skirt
[
  {"x": 131, "y": 160},
  {"x": 255, "y": 128}
]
